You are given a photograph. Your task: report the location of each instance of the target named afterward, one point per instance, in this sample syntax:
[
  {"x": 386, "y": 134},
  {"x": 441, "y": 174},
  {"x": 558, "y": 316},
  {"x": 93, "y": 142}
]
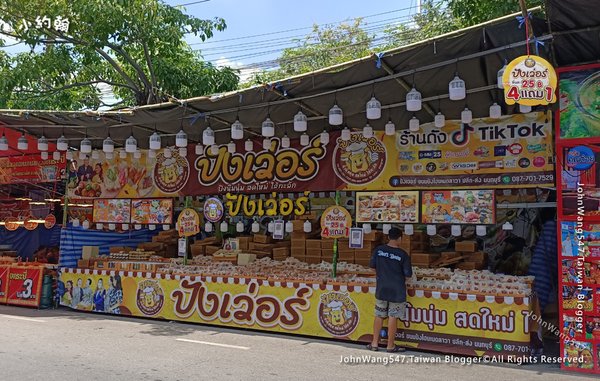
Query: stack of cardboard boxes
[{"x": 163, "y": 244}]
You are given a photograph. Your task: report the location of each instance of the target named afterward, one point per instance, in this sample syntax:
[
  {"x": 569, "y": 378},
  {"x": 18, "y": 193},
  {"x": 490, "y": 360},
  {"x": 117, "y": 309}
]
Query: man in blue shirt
[{"x": 392, "y": 266}]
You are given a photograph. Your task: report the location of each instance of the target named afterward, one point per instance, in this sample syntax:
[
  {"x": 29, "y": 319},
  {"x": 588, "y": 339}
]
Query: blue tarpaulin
[{"x": 26, "y": 242}]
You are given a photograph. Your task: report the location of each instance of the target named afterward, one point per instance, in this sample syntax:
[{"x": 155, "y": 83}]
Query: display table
[{"x": 456, "y": 323}]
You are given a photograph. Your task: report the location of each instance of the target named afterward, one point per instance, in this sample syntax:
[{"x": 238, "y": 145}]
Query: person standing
[{"x": 392, "y": 267}]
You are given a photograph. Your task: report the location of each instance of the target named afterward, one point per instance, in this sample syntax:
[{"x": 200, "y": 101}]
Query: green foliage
[
  {"x": 324, "y": 46},
  {"x": 471, "y": 12},
  {"x": 136, "y": 47}
]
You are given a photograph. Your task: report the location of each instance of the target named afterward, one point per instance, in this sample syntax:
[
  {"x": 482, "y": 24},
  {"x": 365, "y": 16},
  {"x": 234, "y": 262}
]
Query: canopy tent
[{"x": 475, "y": 53}]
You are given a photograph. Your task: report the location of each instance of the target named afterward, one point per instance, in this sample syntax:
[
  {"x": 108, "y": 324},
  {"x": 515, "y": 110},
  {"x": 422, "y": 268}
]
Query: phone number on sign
[{"x": 532, "y": 178}]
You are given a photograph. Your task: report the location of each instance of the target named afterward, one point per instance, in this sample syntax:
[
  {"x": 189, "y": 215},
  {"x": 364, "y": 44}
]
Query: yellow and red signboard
[
  {"x": 453, "y": 323},
  {"x": 24, "y": 285},
  {"x": 336, "y": 222},
  {"x": 529, "y": 81},
  {"x": 3, "y": 283},
  {"x": 188, "y": 223}
]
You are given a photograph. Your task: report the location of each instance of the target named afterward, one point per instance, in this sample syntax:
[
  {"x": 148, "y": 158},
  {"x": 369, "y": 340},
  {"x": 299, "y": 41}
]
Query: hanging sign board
[
  {"x": 335, "y": 222},
  {"x": 529, "y": 81},
  {"x": 25, "y": 285},
  {"x": 278, "y": 229},
  {"x": 188, "y": 223},
  {"x": 213, "y": 210},
  {"x": 49, "y": 221}
]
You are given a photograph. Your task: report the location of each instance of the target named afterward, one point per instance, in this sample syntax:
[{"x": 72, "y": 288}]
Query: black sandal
[
  {"x": 372, "y": 348},
  {"x": 396, "y": 349}
]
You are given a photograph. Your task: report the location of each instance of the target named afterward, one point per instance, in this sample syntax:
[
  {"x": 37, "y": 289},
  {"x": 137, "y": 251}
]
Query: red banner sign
[
  {"x": 3, "y": 283},
  {"x": 27, "y": 169},
  {"x": 25, "y": 285}
]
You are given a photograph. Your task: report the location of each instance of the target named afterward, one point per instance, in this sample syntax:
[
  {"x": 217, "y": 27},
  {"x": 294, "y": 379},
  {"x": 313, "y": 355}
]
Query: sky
[{"x": 271, "y": 18}]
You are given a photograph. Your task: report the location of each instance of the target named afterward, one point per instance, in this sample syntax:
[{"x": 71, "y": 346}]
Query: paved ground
[{"x": 67, "y": 345}]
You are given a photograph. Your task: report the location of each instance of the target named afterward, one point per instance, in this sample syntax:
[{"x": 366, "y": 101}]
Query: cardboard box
[
  {"x": 244, "y": 259},
  {"x": 83, "y": 263},
  {"x": 362, "y": 254},
  {"x": 327, "y": 244},
  {"x": 423, "y": 258},
  {"x": 405, "y": 246},
  {"x": 298, "y": 226},
  {"x": 88, "y": 252},
  {"x": 314, "y": 251},
  {"x": 362, "y": 261},
  {"x": 470, "y": 266},
  {"x": 280, "y": 253},
  {"x": 313, "y": 243},
  {"x": 197, "y": 250},
  {"x": 262, "y": 238},
  {"x": 346, "y": 255},
  {"x": 478, "y": 256},
  {"x": 374, "y": 235},
  {"x": 450, "y": 254},
  {"x": 244, "y": 242},
  {"x": 298, "y": 243},
  {"x": 344, "y": 244},
  {"x": 466, "y": 246},
  {"x": 210, "y": 249},
  {"x": 152, "y": 246},
  {"x": 312, "y": 259},
  {"x": 327, "y": 253},
  {"x": 118, "y": 249},
  {"x": 298, "y": 252}
]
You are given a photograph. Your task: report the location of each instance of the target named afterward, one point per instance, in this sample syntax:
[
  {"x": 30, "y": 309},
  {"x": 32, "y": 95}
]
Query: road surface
[{"x": 67, "y": 345}]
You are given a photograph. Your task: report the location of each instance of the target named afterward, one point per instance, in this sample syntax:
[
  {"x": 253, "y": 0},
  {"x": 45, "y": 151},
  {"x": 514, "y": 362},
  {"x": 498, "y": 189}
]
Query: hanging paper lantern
[
  {"x": 123, "y": 154},
  {"x": 456, "y": 230},
  {"x": 112, "y": 226},
  {"x": 42, "y": 144},
  {"x": 108, "y": 146},
  {"x": 413, "y": 100},
  {"x": 266, "y": 143},
  {"x": 248, "y": 145},
  {"x": 214, "y": 149},
  {"x": 255, "y": 227},
  {"x": 524, "y": 109},
  {"x": 373, "y": 109},
  {"x": 167, "y": 153},
  {"x": 237, "y": 130},
  {"x": 95, "y": 155},
  {"x": 500, "y": 82},
  {"x": 367, "y": 131},
  {"x": 55, "y": 154},
  {"x": 69, "y": 155},
  {"x": 304, "y": 140},
  {"x": 324, "y": 137},
  {"x": 208, "y": 137},
  {"x": 181, "y": 139},
  {"x": 44, "y": 155},
  {"x": 82, "y": 156},
  {"x": 495, "y": 111},
  {"x": 289, "y": 227},
  {"x": 151, "y": 154},
  {"x": 271, "y": 227},
  {"x": 75, "y": 222},
  {"x": 431, "y": 230},
  {"x": 155, "y": 141},
  {"x": 387, "y": 228},
  {"x": 224, "y": 226},
  {"x": 239, "y": 227},
  {"x": 130, "y": 144},
  {"x": 109, "y": 155},
  {"x": 268, "y": 128},
  {"x": 367, "y": 228},
  {"x": 166, "y": 227},
  {"x": 183, "y": 151},
  {"x": 507, "y": 226},
  {"x": 390, "y": 128},
  {"x": 85, "y": 146},
  {"x": 62, "y": 144},
  {"x": 285, "y": 141},
  {"x": 231, "y": 147},
  {"x": 86, "y": 224},
  {"x": 456, "y": 89},
  {"x": 208, "y": 227},
  {"x": 3, "y": 143},
  {"x": 480, "y": 230},
  {"x": 199, "y": 149},
  {"x": 336, "y": 116},
  {"x": 300, "y": 122},
  {"x": 439, "y": 120},
  {"x": 99, "y": 226},
  {"x": 137, "y": 154},
  {"x": 409, "y": 229},
  {"x": 151, "y": 227},
  {"x": 307, "y": 226},
  {"x": 413, "y": 124},
  {"x": 125, "y": 226},
  {"x": 466, "y": 116},
  {"x": 345, "y": 134},
  {"x": 22, "y": 143}
]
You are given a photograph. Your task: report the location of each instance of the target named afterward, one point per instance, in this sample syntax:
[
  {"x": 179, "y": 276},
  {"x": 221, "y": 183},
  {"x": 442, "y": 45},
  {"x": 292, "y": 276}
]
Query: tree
[
  {"x": 135, "y": 47},
  {"x": 434, "y": 19},
  {"x": 324, "y": 46},
  {"x": 471, "y": 12}
]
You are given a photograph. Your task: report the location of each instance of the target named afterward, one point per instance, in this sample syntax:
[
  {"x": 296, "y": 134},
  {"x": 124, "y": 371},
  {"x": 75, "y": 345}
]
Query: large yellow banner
[{"x": 465, "y": 324}]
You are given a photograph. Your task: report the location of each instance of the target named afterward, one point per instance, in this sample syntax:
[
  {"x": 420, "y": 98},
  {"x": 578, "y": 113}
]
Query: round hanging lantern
[
  {"x": 345, "y": 134},
  {"x": 248, "y": 145},
  {"x": 285, "y": 141},
  {"x": 85, "y": 146},
  {"x": 367, "y": 131},
  {"x": 413, "y": 124},
  {"x": 181, "y": 139},
  {"x": 208, "y": 137},
  {"x": 108, "y": 146},
  {"x": 3, "y": 143},
  {"x": 130, "y": 144},
  {"x": 367, "y": 228},
  {"x": 44, "y": 155},
  {"x": 466, "y": 116},
  {"x": 300, "y": 122},
  {"x": 199, "y": 149},
  {"x": 95, "y": 155},
  {"x": 42, "y": 144},
  {"x": 324, "y": 137},
  {"x": 22, "y": 143},
  {"x": 373, "y": 109},
  {"x": 231, "y": 147},
  {"x": 237, "y": 130},
  {"x": 62, "y": 144},
  {"x": 304, "y": 140},
  {"x": 336, "y": 116},
  {"x": 456, "y": 89},
  {"x": 495, "y": 111},
  {"x": 413, "y": 100},
  {"x": 155, "y": 141},
  {"x": 268, "y": 128},
  {"x": 390, "y": 128},
  {"x": 439, "y": 120}
]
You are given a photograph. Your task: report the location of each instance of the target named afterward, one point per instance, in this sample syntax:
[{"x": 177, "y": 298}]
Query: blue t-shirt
[{"x": 392, "y": 266}]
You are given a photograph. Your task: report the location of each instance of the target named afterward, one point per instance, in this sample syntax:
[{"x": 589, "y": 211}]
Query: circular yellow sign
[
  {"x": 336, "y": 222},
  {"x": 529, "y": 81},
  {"x": 188, "y": 223}
]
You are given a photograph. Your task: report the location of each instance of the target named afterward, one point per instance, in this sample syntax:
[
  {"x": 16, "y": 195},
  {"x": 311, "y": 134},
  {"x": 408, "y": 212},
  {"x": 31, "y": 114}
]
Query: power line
[
  {"x": 192, "y": 3},
  {"x": 303, "y": 28}
]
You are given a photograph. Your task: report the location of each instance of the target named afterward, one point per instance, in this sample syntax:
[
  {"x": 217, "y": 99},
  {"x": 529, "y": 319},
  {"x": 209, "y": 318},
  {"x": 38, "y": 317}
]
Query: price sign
[
  {"x": 25, "y": 285},
  {"x": 188, "y": 223},
  {"x": 3, "y": 283},
  {"x": 529, "y": 81},
  {"x": 49, "y": 221},
  {"x": 335, "y": 222}
]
